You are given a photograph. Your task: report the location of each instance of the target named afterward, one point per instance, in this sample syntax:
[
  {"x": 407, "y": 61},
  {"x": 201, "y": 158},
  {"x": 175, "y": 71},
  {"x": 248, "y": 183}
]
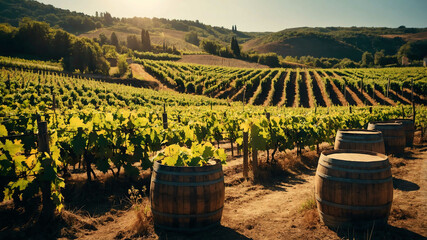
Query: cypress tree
[{"x": 235, "y": 47}]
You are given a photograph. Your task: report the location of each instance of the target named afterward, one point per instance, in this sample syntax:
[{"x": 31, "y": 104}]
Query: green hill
[
  {"x": 338, "y": 42},
  {"x": 331, "y": 42}
]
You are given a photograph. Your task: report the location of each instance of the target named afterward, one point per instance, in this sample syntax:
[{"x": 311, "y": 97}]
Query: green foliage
[
  {"x": 379, "y": 58},
  {"x": 109, "y": 51},
  {"x": 197, "y": 155},
  {"x": 235, "y": 47},
  {"x": 86, "y": 56},
  {"x": 414, "y": 50},
  {"x": 210, "y": 46},
  {"x": 122, "y": 65},
  {"x": 367, "y": 59},
  {"x": 132, "y": 42},
  {"x": 192, "y": 38},
  {"x": 156, "y": 56},
  {"x": 114, "y": 40},
  {"x": 145, "y": 40}
]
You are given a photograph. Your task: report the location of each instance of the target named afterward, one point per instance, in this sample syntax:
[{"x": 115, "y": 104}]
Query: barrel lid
[{"x": 356, "y": 156}]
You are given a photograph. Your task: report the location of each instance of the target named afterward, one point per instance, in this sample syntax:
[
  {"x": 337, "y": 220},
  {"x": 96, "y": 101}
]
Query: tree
[
  {"x": 235, "y": 47},
  {"x": 103, "y": 39},
  {"x": 192, "y": 38},
  {"x": 210, "y": 46},
  {"x": 33, "y": 37},
  {"x": 108, "y": 19},
  {"x": 379, "y": 58},
  {"x": 133, "y": 43},
  {"x": 61, "y": 44},
  {"x": 367, "y": 59},
  {"x": 145, "y": 40},
  {"x": 269, "y": 59},
  {"x": 122, "y": 65},
  {"x": 413, "y": 50},
  {"x": 114, "y": 40}
]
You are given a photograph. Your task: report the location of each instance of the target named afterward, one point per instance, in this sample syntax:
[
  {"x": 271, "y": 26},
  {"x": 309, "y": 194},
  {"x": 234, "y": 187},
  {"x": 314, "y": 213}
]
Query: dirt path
[
  {"x": 318, "y": 90},
  {"x": 291, "y": 90},
  {"x": 139, "y": 72},
  {"x": 355, "y": 98},
  {"x": 383, "y": 99},
  {"x": 272, "y": 208},
  {"x": 396, "y": 96},
  {"x": 277, "y": 94}
]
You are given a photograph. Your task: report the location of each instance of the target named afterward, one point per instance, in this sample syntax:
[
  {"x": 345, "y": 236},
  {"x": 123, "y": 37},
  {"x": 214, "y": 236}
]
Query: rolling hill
[{"x": 331, "y": 42}]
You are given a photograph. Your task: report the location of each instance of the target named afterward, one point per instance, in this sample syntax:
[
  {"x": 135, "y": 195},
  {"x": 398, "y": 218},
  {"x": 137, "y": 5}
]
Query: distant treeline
[{"x": 37, "y": 39}]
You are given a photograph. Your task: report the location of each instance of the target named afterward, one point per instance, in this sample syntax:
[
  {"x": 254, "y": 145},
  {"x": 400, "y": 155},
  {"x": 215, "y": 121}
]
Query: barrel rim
[
  {"x": 357, "y": 129},
  {"x": 325, "y": 153},
  {"x": 384, "y": 123},
  {"x": 205, "y": 168},
  {"x": 401, "y": 119}
]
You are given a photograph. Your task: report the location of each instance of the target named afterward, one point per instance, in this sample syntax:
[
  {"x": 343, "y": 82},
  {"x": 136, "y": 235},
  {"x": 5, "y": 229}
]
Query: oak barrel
[
  {"x": 393, "y": 134},
  {"x": 408, "y": 126},
  {"x": 360, "y": 139},
  {"x": 187, "y": 199},
  {"x": 353, "y": 188}
]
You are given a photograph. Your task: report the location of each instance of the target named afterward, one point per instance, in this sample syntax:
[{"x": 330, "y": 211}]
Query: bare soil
[
  {"x": 277, "y": 206},
  {"x": 219, "y": 61}
]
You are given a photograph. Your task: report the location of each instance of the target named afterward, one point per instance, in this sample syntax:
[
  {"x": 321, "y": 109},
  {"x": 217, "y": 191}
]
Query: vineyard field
[
  {"x": 305, "y": 88},
  {"x": 99, "y": 129}
]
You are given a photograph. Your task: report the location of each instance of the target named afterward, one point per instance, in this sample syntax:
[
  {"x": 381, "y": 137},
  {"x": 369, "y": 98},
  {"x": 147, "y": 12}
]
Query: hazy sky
[{"x": 264, "y": 15}]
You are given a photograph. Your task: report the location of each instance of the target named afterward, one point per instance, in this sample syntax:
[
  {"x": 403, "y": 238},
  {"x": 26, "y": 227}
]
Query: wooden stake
[
  {"x": 165, "y": 120},
  {"x": 413, "y": 102},
  {"x": 255, "y": 162},
  {"x": 43, "y": 137},
  {"x": 388, "y": 86},
  {"x": 48, "y": 210},
  {"x": 245, "y": 154}
]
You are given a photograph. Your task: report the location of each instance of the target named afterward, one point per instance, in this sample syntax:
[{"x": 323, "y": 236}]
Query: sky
[{"x": 264, "y": 15}]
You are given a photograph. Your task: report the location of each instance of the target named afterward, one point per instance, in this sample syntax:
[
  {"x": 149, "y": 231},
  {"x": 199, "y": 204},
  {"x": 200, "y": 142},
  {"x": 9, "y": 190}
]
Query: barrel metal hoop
[
  {"x": 187, "y": 229},
  {"x": 173, "y": 215},
  {"x": 347, "y": 140},
  {"x": 350, "y": 180},
  {"x": 351, "y": 207},
  {"x": 355, "y": 170},
  {"x": 188, "y": 184},
  {"x": 157, "y": 170},
  {"x": 337, "y": 162},
  {"x": 338, "y": 222}
]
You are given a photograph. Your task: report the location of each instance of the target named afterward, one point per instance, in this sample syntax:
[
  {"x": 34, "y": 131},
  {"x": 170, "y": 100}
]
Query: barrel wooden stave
[
  {"x": 187, "y": 198},
  {"x": 409, "y": 128},
  {"x": 349, "y": 195},
  {"x": 359, "y": 139},
  {"x": 393, "y": 134}
]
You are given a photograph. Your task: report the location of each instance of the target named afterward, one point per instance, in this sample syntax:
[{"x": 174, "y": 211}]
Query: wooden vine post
[
  {"x": 388, "y": 86},
  {"x": 48, "y": 210},
  {"x": 412, "y": 98},
  {"x": 370, "y": 109},
  {"x": 255, "y": 162},
  {"x": 245, "y": 154},
  {"x": 165, "y": 118}
]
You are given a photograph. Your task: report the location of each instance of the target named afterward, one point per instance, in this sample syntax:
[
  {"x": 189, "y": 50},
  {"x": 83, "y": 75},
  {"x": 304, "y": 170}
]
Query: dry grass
[
  {"x": 143, "y": 225},
  {"x": 219, "y": 61}
]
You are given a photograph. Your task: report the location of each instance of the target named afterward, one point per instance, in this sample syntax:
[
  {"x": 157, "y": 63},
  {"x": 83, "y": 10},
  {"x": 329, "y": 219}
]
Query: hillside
[
  {"x": 331, "y": 42},
  {"x": 338, "y": 42}
]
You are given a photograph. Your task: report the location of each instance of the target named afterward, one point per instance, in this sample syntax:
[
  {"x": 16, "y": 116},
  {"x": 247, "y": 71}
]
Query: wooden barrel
[
  {"x": 393, "y": 134},
  {"x": 408, "y": 126},
  {"x": 353, "y": 189},
  {"x": 360, "y": 139},
  {"x": 187, "y": 199}
]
